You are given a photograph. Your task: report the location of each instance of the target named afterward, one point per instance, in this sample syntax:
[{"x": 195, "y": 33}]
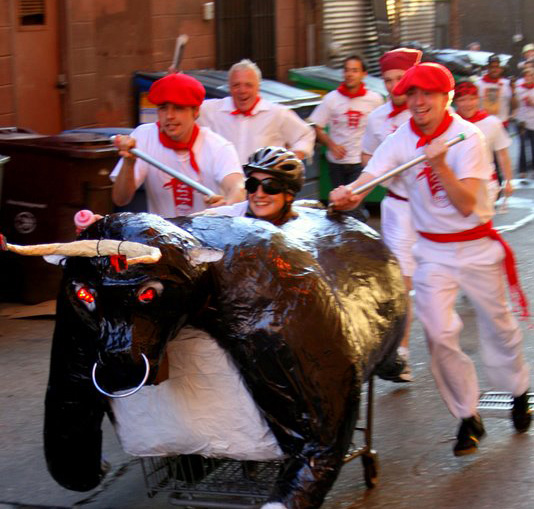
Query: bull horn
[{"x": 135, "y": 252}]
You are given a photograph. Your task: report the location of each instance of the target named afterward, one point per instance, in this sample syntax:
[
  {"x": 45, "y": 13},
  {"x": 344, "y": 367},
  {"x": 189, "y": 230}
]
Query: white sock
[{"x": 403, "y": 351}]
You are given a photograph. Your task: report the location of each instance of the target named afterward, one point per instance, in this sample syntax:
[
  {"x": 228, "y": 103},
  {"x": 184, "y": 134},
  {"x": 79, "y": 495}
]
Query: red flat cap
[
  {"x": 177, "y": 88},
  {"x": 427, "y": 76},
  {"x": 400, "y": 58},
  {"x": 465, "y": 88}
]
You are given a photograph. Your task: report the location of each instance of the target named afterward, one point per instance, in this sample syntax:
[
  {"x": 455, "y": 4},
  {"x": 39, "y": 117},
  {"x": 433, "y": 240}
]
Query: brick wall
[
  {"x": 107, "y": 41},
  {"x": 7, "y": 79}
]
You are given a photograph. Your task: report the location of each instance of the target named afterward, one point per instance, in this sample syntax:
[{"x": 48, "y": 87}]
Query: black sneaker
[
  {"x": 521, "y": 413},
  {"x": 470, "y": 432},
  {"x": 395, "y": 369}
]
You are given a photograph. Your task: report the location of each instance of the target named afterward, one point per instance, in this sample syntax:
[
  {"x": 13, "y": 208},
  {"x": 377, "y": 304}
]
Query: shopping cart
[{"x": 198, "y": 482}]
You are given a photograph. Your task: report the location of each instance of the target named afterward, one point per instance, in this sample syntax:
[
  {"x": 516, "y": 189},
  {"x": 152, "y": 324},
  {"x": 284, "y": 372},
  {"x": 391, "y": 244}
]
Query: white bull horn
[{"x": 134, "y": 251}]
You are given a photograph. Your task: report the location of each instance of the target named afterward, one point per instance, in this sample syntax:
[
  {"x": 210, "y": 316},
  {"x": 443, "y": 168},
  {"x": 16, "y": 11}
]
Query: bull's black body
[{"x": 307, "y": 311}]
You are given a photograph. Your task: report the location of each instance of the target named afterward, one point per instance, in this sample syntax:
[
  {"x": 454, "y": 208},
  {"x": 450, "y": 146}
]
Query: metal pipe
[
  {"x": 173, "y": 173},
  {"x": 402, "y": 167}
]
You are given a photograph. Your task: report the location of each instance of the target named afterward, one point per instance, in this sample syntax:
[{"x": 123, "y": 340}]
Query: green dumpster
[{"x": 321, "y": 80}]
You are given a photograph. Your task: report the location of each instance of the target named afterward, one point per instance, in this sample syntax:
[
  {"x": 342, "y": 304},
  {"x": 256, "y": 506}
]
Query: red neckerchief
[
  {"x": 343, "y": 90},
  {"x": 168, "y": 142},
  {"x": 487, "y": 230},
  {"x": 527, "y": 85},
  {"x": 424, "y": 138},
  {"x": 247, "y": 113},
  {"x": 396, "y": 109},
  {"x": 478, "y": 115},
  {"x": 487, "y": 79}
]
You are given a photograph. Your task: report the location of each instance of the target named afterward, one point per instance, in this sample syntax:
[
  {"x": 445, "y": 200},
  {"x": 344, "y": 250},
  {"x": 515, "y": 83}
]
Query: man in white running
[
  {"x": 396, "y": 223},
  {"x": 466, "y": 102},
  {"x": 456, "y": 247}
]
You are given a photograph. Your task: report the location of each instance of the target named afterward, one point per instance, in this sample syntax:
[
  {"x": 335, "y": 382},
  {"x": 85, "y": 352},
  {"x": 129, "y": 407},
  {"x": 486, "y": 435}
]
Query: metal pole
[
  {"x": 167, "y": 169},
  {"x": 402, "y": 167}
]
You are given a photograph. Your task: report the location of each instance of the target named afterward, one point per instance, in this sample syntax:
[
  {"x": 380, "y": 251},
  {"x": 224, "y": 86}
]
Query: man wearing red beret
[
  {"x": 466, "y": 102},
  {"x": 396, "y": 223},
  {"x": 178, "y": 142},
  {"x": 456, "y": 247},
  {"x": 250, "y": 122}
]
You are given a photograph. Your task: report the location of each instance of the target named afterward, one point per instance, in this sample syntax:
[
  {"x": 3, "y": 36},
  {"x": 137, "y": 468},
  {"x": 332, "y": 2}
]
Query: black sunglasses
[{"x": 269, "y": 185}]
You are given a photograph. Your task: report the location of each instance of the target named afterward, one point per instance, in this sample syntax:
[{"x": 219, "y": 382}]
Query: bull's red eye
[
  {"x": 147, "y": 295},
  {"x": 85, "y": 295}
]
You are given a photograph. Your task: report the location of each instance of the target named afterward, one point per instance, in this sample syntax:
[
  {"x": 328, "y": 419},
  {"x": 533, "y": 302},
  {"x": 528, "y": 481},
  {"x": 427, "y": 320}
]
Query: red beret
[
  {"x": 177, "y": 88},
  {"x": 465, "y": 88},
  {"x": 427, "y": 76},
  {"x": 400, "y": 58}
]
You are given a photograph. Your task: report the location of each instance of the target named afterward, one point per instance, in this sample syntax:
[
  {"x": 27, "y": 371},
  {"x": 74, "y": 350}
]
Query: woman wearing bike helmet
[{"x": 274, "y": 177}]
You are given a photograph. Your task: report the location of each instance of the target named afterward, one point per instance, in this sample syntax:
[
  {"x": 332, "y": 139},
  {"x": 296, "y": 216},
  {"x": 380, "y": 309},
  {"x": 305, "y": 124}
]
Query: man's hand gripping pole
[
  {"x": 402, "y": 167},
  {"x": 163, "y": 167}
]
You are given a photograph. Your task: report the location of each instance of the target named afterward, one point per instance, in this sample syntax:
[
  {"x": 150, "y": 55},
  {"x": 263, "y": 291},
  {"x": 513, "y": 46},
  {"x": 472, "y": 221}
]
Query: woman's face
[{"x": 267, "y": 206}]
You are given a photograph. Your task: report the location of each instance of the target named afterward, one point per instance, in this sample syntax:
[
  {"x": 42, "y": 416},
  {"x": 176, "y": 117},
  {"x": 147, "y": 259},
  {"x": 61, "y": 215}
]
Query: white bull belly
[{"x": 202, "y": 408}]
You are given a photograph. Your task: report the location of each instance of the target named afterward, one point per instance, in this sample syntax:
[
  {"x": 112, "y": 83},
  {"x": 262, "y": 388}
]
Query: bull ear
[
  {"x": 55, "y": 259},
  {"x": 199, "y": 255}
]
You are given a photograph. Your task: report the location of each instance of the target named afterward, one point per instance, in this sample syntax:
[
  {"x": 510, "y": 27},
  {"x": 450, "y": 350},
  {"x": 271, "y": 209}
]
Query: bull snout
[{"x": 121, "y": 365}]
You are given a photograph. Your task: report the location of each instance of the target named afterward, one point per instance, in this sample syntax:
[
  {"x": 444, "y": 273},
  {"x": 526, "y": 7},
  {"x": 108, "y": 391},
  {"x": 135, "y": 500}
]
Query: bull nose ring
[{"x": 123, "y": 394}]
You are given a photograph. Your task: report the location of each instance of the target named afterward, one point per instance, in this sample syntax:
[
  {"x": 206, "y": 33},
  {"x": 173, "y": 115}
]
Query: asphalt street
[{"x": 413, "y": 432}]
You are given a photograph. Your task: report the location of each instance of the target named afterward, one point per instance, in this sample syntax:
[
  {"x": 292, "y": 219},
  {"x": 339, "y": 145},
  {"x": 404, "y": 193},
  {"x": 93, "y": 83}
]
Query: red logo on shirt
[
  {"x": 182, "y": 193},
  {"x": 353, "y": 118},
  {"x": 439, "y": 196}
]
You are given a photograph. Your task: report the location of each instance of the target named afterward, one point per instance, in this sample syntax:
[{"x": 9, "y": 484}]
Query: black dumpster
[{"x": 46, "y": 181}]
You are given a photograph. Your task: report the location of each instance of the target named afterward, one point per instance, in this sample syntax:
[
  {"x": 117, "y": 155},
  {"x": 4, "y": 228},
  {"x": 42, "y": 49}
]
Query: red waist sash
[
  {"x": 479, "y": 232},
  {"x": 391, "y": 194}
]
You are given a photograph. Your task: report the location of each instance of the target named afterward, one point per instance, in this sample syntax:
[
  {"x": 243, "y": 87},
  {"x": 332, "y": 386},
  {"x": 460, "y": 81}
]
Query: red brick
[
  {"x": 84, "y": 10},
  {"x": 83, "y": 86},
  {"x": 7, "y": 99},
  {"x": 5, "y": 41},
  {"x": 8, "y": 119},
  {"x": 6, "y": 71},
  {"x": 83, "y": 113},
  {"x": 82, "y": 35},
  {"x": 200, "y": 46},
  {"x": 5, "y": 15},
  {"x": 165, "y": 26},
  {"x": 83, "y": 60}
]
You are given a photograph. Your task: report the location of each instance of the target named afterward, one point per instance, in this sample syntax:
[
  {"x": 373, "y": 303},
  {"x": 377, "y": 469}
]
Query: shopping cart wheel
[{"x": 370, "y": 468}]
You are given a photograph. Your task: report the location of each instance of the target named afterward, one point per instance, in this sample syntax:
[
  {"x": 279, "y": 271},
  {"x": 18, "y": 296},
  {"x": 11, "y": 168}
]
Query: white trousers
[
  {"x": 398, "y": 232},
  {"x": 475, "y": 267}
]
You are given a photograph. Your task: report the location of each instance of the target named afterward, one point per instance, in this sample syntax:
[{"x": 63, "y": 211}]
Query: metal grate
[
  {"x": 246, "y": 29},
  {"x": 351, "y": 27},
  {"x": 499, "y": 400},
  {"x": 31, "y": 12}
]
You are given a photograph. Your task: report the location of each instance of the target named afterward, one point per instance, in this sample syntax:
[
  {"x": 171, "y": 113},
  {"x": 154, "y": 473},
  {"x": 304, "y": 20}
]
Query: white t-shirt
[
  {"x": 168, "y": 197},
  {"x": 495, "y": 97},
  {"x": 431, "y": 209},
  {"x": 269, "y": 124},
  {"x": 379, "y": 126},
  {"x": 346, "y": 119},
  {"x": 234, "y": 210},
  {"x": 495, "y": 135},
  {"x": 525, "y": 113}
]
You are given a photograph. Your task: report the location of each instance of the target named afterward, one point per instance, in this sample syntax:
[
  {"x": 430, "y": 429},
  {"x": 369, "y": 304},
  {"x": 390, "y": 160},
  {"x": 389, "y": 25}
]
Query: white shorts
[{"x": 398, "y": 232}]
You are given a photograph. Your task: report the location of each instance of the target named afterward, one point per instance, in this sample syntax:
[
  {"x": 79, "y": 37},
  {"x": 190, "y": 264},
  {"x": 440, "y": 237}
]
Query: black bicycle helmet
[{"x": 278, "y": 162}]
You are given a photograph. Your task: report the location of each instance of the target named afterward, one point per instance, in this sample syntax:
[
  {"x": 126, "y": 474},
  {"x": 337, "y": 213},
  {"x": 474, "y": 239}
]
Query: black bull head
[{"x": 307, "y": 312}]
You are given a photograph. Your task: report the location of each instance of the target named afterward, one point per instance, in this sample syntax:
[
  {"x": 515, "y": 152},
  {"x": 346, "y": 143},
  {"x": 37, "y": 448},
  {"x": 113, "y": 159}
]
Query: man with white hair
[{"x": 250, "y": 121}]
